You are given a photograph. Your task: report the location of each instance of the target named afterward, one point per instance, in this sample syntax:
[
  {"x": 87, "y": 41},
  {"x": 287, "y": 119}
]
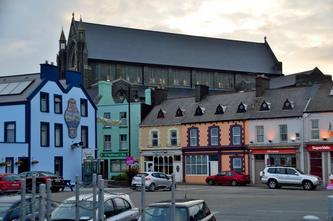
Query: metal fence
[{"x": 42, "y": 204}]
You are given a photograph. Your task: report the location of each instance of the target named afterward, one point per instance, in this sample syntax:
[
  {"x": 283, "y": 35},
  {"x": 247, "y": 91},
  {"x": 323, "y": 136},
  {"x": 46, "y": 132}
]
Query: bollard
[
  {"x": 310, "y": 218},
  {"x": 94, "y": 180},
  {"x": 22, "y": 208},
  {"x": 173, "y": 199},
  {"x": 143, "y": 190},
  {"x": 42, "y": 202},
  {"x": 330, "y": 207},
  {"x": 33, "y": 197},
  {"x": 77, "y": 198},
  {"x": 101, "y": 200},
  {"x": 48, "y": 200}
]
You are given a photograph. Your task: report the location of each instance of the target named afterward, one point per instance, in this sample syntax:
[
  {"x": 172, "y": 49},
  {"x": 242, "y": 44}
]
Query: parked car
[
  {"x": 116, "y": 207},
  {"x": 10, "y": 208},
  {"x": 228, "y": 178},
  {"x": 275, "y": 177},
  {"x": 186, "y": 210},
  {"x": 9, "y": 183},
  {"x": 153, "y": 181},
  {"x": 57, "y": 182}
]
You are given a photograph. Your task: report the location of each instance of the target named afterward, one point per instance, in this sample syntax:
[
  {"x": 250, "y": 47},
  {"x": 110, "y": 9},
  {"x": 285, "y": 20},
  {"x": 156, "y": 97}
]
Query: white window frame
[
  {"x": 193, "y": 137},
  {"x": 315, "y": 132},
  {"x": 196, "y": 165},
  {"x": 283, "y": 133},
  {"x": 173, "y": 138},
  {"x": 236, "y": 137},
  {"x": 154, "y": 139},
  {"x": 107, "y": 142},
  {"x": 260, "y": 134},
  {"x": 123, "y": 143},
  {"x": 214, "y": 138}
]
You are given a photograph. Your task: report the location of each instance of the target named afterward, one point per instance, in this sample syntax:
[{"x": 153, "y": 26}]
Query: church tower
[{"x": 62, "y": 55}]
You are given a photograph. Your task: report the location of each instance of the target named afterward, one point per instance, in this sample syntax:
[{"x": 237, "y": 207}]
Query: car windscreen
[
  {"x": 156, "y": 213},
  {"x": 66, "y": 211},
  {"x": 4, "y": 207},
  {"x": 11, "y": 178}
]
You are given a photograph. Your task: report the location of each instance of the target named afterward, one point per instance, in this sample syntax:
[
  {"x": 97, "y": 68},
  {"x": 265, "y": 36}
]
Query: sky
[{"x": 300, "y": 32}]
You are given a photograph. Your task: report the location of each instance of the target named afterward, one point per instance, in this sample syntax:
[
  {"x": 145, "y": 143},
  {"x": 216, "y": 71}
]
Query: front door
[
  {"x": 316, "y": 164},
  {"x": 259, "y": 166},
  {"x": 24, "y": 164},
  {"x": 214, "y": 167},
  {"x": 58, "y": 166},
  {"x": 178, "y": 172},
  {"x": 149, "y": 166}
]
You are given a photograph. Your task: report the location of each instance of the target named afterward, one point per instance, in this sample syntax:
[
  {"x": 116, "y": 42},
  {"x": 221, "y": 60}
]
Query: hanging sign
[{"x": 72, "y": 118}]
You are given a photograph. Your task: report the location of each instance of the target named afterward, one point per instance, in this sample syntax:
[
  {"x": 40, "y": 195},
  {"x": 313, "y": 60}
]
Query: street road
[{"x": 242, "y": 203}]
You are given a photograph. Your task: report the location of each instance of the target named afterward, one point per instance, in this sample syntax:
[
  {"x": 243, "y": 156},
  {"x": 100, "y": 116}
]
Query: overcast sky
[{"x": 300, "y": 32}]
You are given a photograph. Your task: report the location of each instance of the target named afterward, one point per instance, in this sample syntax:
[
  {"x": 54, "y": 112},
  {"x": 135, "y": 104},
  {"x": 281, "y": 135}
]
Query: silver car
[
  {"x": 275, "y": 177},
  {"x": 116, "y": 207},
  {"x": 153, "y": 181}
]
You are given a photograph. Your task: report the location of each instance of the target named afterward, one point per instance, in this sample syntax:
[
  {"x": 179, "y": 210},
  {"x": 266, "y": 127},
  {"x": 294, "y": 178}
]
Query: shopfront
[{"x": 261, "y": 158}]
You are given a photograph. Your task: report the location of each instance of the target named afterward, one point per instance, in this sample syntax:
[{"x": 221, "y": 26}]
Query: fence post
[
  {"x": 101, "y": 200},
  {"x": 330, "y": 207},
  {"x": 143, "y": 190},
  {"x": 22, "y": 209},
  {"x": 94, "y": 196},
  {"x": 33, "y": 197},
  {"x": 77, "y": 198},
  {"x": 48, "y": 200},
  {"x": 173, "y": 199},
  {"x": 42, "y": 202}
]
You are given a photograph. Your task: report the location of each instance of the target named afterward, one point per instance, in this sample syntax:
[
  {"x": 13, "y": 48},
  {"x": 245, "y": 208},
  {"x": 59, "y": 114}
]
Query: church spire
[{"x": 62, "y": 35}]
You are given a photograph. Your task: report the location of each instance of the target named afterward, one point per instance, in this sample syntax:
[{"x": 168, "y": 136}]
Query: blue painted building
[
  {"x": 46, "y": 123},
  {"x": 118, "y": 124}
]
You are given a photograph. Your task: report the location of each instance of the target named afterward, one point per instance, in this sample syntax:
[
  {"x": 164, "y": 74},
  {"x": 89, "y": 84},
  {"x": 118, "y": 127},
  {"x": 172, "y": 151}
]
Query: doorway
[
  {"x": 24, "y": 164},
  {"x": 259, "y": 165},
  {"x": 58, "y": 166},
  {"x": 316, "y": 164}
]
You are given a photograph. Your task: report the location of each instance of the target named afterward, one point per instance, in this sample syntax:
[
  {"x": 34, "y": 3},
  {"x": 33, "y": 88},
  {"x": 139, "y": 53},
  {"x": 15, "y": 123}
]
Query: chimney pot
[
  {"x": 201, "y": 91},
  {"x": 46, "y": 62}
]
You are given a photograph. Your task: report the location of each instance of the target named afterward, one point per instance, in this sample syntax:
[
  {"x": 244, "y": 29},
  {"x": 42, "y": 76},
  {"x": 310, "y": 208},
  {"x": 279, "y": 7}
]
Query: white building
[{"x": 46, "y": 124}]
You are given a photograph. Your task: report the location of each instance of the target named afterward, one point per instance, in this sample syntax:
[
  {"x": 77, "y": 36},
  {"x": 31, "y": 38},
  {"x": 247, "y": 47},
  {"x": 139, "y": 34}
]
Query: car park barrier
[
  {"x": 143, "y": 190},
  {"x": 22, "y": 209}
]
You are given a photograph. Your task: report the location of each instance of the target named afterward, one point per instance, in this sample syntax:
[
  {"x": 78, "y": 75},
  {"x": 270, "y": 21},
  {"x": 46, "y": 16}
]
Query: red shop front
[{"x": 316, "y": 157}]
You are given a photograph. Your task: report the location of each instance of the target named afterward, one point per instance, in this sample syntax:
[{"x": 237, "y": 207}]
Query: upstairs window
[
  {"x": 193, "y": 135},
  {"x": 123, "y": 142},
  {"x": 260, "y": 134},
  {"x": 44, "y": 102},
  {"x": 154, "y": 138},
  {"x": 44, "y": 134},
  {"x": 241, "y": 108},
  {"x": 107, "y": 142},
  {"x": 179, "y": 112},
  {"x": 160, "y": 114},
  {"x": 265, "y": 106},
  {"x": 214, "y": 136},
  {"x": 10, "y": 132},
  {"x": 236, "y": 134},
  {"x": 107, "y": 115},
  {"x": 283, "y": 132},
  {"x": 315, "y": 129},
  {"x": 58, "y": 135},
  {"x": 173, "y": 138},
  {"x": 57, "y": 104},
  {"x": 84, "y": 107},
  {"x": 220, "y": 109},
  {"x": 84, "y": 136},
  {"x": 123, "y": 118},
  {"x": 288, "y": 105}
]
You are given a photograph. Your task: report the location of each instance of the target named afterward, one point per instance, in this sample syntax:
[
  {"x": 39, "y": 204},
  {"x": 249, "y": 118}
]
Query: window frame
[
  {"x": 6, "y": 131},
  {"x": 107, "y": 141},
  {"x": 173, "y": 139},
  {"x": 234, "y": 135},
  {"x": 47, "y": 103},
  {"x": 85, "y": 144},
  {"x": 123, "y": 144},
  {"x": 154, "y": 138},
  {"x": 192, "y": 165},
  {"x": 237, "y": 169},
  {"x": 83, "y": 106},
  {"x": 55, "y": 104},
  {"x": 260, "y": 137},
  {"x": 123, "y": 120},
  {"x": 193, "y": 136},
  {"x": 212, "y": 137},
  {"x": 283, "y": 136},
  {"x": 315, "y": 129},
  {"x": 57, "y": 126},
  {"x": 47, "y": 124}
]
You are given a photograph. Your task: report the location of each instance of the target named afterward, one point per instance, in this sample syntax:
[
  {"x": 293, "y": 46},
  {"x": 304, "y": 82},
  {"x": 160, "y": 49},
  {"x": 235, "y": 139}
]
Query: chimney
[
  {"x": 159, "y": 95},
  {"x": 201, "y": 91},
  {"x": 262, "y": 84},
  {"x": 49, "y": 72},
  {"x": 73, "y": 78}
]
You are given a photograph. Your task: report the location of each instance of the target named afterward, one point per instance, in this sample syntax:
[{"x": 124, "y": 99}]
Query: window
[
  {"x": 236, "y": 135},
  {"x": 58, "y": 166},
  {"x": 237, "y": 164},
  {"x": 196, "y": 165},
  {"x": 220, "y": 109},
  {"x": 198, "y": 111},
  {"x": 107, "y": 115},
  {"x": 9, "y": 165},
  {"x": 109, "y": 209},
  {"x": 315, "y": 129},
  {"x": 107, "y": 142},
  {"x": 288, "y": 105},
  {"x": 10, "y": 132},
  {"x": 154, "y": 138},
  {"x": 179, "y": 112},
  {"x": 160, "y": 114},
  {"x": 283, "y": 132},
  {"x": 44, "y": 102},
  {"x": 260, "y": 134},
  {"x": 121, "y": 205},
  {"x": 57, "y": 104},
  {"x": 44, "y": 134},
  {"x": 84, "y": 107},
  {"x": 84, "y": 136},
  {"x": 123, "y": 142},
  {"x": 193, "y": 137},
  {"x": 241, "y": 108},
  {"x": 173, "y": 137},
  {"x": 118, "y": 165},
  {"x": 265, "y": 106},
  {"x": 123, "y": 118},
  {"x": 214, "y": 136},
  {"x": 58, "y": 135}
]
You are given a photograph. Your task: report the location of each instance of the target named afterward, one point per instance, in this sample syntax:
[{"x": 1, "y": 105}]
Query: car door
[
  {"x": 220, "y": 178},
  {"x": 293, "y": 177},
  {"x": 123, "y": 210},
  {"x": 165, "y": 180},
  {"x": 157, "y": 180}
]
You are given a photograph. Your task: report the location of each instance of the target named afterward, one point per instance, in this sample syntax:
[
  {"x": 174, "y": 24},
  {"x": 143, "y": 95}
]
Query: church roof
[{"x": 161, "y": 48}]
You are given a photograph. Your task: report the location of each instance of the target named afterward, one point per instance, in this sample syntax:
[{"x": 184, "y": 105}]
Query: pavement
[{"x": 240, "y": 203}]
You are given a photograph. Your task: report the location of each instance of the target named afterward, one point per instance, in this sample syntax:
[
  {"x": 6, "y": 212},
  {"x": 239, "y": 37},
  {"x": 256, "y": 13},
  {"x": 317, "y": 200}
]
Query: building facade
[{"x": 53, "y": 128}]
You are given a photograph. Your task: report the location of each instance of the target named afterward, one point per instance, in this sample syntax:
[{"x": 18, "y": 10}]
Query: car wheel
[
  {"x": 307, "y": 185},
  {"x": 272, "y": 184},
  {"x": 152, "y": 187},
  {"x": 211, "y": 182},
  {"x": 234, "y": 183}
]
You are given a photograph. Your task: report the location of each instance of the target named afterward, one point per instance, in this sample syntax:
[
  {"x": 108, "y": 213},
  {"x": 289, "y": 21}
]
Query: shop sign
[
  {"x": 116, "y": 154},
  {"x": 319, "y": 148},
  {"x": 274, "y": 151}
]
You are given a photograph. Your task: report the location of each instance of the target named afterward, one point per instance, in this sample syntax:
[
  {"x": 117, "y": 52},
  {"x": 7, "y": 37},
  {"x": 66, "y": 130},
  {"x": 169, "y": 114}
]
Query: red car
[
  {"x": 9, "y": 183},
  {"x": 228, "y": 178}
]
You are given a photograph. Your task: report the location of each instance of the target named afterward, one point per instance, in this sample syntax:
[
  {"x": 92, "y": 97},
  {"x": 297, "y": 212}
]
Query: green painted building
[{"x": 118, "y": 124}]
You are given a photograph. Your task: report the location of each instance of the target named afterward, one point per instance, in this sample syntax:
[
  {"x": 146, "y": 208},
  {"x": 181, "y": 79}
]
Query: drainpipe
[{"x": 305, "y": 115}]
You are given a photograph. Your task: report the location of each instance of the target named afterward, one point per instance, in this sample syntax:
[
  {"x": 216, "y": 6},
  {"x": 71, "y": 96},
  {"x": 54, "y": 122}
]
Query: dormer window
[
  {"x": 220, "y": 109},
  {"x": 179, "y": 112},
  {"x": 199, "y": 111},
  {"x": 241, "y": 108},
  {"x": 160, "y": 114},
  {"x": 288, "y": 105},
  {"x": 265, "y": 106}
]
